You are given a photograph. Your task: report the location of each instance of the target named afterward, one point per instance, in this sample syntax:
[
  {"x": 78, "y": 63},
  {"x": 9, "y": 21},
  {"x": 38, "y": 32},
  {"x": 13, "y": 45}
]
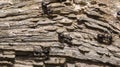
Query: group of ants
[{"x": 65, "y": 38}]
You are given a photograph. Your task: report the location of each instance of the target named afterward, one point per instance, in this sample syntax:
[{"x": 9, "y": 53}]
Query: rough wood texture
[{"x": 59, "y": 33}]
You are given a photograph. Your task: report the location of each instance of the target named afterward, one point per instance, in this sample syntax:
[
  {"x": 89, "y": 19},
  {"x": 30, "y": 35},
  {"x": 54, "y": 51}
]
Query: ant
[
  {"x": 106, "y": 39},
  {"x": 64, "y": 37},
  {"x": 37, "y": 51},
  {"x": 45, "y": 8},
  {"x": 46, "y": 51},
  {"x": 42, "y": 51}
]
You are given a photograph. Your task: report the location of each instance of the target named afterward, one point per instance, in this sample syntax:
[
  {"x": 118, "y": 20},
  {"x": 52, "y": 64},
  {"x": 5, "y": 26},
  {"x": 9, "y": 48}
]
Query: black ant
[
  {"x": 42, "y": 51},
  {"x": 45, "y": 8},
  {"x": 64, "y": 37},
  {"x": 37, "y": 51},
  {"x": 106, "y": 39},
  {"x": 60, "y": 37},
  {"x": 46, "y": 51}
]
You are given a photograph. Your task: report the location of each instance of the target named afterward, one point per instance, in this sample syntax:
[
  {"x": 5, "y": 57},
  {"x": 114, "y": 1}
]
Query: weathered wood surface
[{"x": 25, "y": 30}]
